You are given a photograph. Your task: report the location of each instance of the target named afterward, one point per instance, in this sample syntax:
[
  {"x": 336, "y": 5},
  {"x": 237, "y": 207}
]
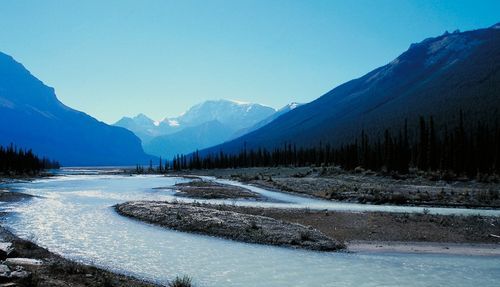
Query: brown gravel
[
  {"x": 381, "y": 226},
  {"x": 368, "y": 187}
]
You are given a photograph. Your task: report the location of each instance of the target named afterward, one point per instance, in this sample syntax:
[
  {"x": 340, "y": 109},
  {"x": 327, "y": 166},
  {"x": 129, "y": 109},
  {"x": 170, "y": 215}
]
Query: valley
[{"x": 391, "y": 178}]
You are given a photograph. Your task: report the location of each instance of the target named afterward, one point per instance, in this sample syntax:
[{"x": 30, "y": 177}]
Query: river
[{"x": 72, "y": 215}]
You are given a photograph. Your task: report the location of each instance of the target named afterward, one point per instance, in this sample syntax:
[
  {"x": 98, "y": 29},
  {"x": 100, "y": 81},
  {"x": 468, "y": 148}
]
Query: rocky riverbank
[
  {"x": 7, "y": 196},
  {"x": 227, "y": 224},
  {"x": 367, "y": 187},
  {"x": 385, "y": 226},
  {"x": 361, "y": 231},
  {"x": 23, "y": 263}
]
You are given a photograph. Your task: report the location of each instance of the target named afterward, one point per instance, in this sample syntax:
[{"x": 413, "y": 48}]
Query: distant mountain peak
[
  {"x": 233, "y": 115},
  {"x": 237, "y": 102},
  {"x": 244, "y": 103},
  {"x": 142, "y": 117}
]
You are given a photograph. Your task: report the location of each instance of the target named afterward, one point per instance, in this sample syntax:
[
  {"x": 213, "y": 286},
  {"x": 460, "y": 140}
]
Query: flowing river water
[{"x": 72, "y": 215}]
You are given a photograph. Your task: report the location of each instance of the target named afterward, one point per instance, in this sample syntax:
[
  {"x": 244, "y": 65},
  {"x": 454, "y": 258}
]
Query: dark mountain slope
[
  {"x": 31, "y": 116},
  {"x": 439, "y": 76}
]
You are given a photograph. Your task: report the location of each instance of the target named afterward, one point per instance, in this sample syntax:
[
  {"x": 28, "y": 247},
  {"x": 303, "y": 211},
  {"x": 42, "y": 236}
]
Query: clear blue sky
[{"x": 115, "y": 58}]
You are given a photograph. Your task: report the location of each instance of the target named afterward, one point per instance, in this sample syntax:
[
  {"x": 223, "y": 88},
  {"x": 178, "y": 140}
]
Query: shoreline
[
  {"x": 204, "y": 189},
  {"x": 368, "y": 232},
  {"x": 382, "y": 226},
  {"x": 443, "y": 248},
  {"x": 362, "y": 188},
  {"x": 44, "y": 268},
  {"x": 391, "y": 232}
]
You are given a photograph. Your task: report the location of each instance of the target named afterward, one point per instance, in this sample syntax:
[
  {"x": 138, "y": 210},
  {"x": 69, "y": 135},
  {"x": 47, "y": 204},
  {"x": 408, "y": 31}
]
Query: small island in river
[
  {"x": 204, "y": 189},
  {"x": 233, "y": 225}
]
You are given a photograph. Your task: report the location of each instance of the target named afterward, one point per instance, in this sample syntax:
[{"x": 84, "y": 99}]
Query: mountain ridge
[
  {"x": 235, "y": 114},
  {"x": 438, "y": 76},
  {"x": 172, "y": 136},
  {"x": 52, "y": 129}
]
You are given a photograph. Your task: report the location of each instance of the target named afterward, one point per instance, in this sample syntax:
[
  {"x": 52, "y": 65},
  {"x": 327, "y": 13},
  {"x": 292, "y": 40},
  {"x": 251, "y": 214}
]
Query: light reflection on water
[{"x": 73, "y": 217}]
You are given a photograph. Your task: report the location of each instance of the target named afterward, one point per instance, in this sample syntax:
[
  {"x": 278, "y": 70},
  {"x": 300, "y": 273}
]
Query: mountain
[
  {"x": 190, "y": 130},
  {"x": 33, "y": 117},
  {"x": 189, "y": 139},
  {"x": 267, "y": 120},
  {"x": 439, "y": 76},
  {"x": 235, "y": 115},
  {"x": 145, "y": 128}
]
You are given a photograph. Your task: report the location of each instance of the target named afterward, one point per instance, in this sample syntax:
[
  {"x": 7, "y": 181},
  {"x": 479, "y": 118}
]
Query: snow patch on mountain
[
  {"x": 173, "y": 123},
  {"x": 293, "y": 105}
]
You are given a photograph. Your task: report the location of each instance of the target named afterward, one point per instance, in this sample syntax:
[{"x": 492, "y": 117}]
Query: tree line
[
  {"x": 160, "y": 168},
  {"x": 14, "y": 161},
  {"x": 466, "y": 149}
]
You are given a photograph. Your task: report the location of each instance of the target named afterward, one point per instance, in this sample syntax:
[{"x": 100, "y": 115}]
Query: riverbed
[{"x": 72, "y": 215}]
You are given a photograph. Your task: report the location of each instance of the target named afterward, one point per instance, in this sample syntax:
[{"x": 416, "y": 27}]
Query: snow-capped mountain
[
  {"x": 235, "y": 115},
  {"x": 173, "y": 135},
  {"x": 277, "y": 114},
  {"x": 146, "y": 128}
]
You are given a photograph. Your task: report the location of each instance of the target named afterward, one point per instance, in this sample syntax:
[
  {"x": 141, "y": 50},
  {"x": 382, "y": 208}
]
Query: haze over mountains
[
  {"x": 235, "y": 115},
  {"x": 437, "y": 77},
  {"x": 33, "y": 117},
  {"x": 203, "y": 125}
]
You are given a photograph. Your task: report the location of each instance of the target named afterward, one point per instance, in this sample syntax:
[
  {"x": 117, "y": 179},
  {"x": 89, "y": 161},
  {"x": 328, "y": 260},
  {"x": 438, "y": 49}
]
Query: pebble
[
  {"x": 6, "y": 274},
  {"x": 5, "y": 250},
  {"x": 4, "y": 269},
  {"x": 24, "y": 261},
  {"x": 19, "y": 274}
]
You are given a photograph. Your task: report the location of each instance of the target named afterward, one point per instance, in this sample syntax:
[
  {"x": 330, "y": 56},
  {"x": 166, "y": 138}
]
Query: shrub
[
  {"x": 183, "y": 281},
  {"x": 254, "y": 225},
  {"x": 304, "y": 236}
]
